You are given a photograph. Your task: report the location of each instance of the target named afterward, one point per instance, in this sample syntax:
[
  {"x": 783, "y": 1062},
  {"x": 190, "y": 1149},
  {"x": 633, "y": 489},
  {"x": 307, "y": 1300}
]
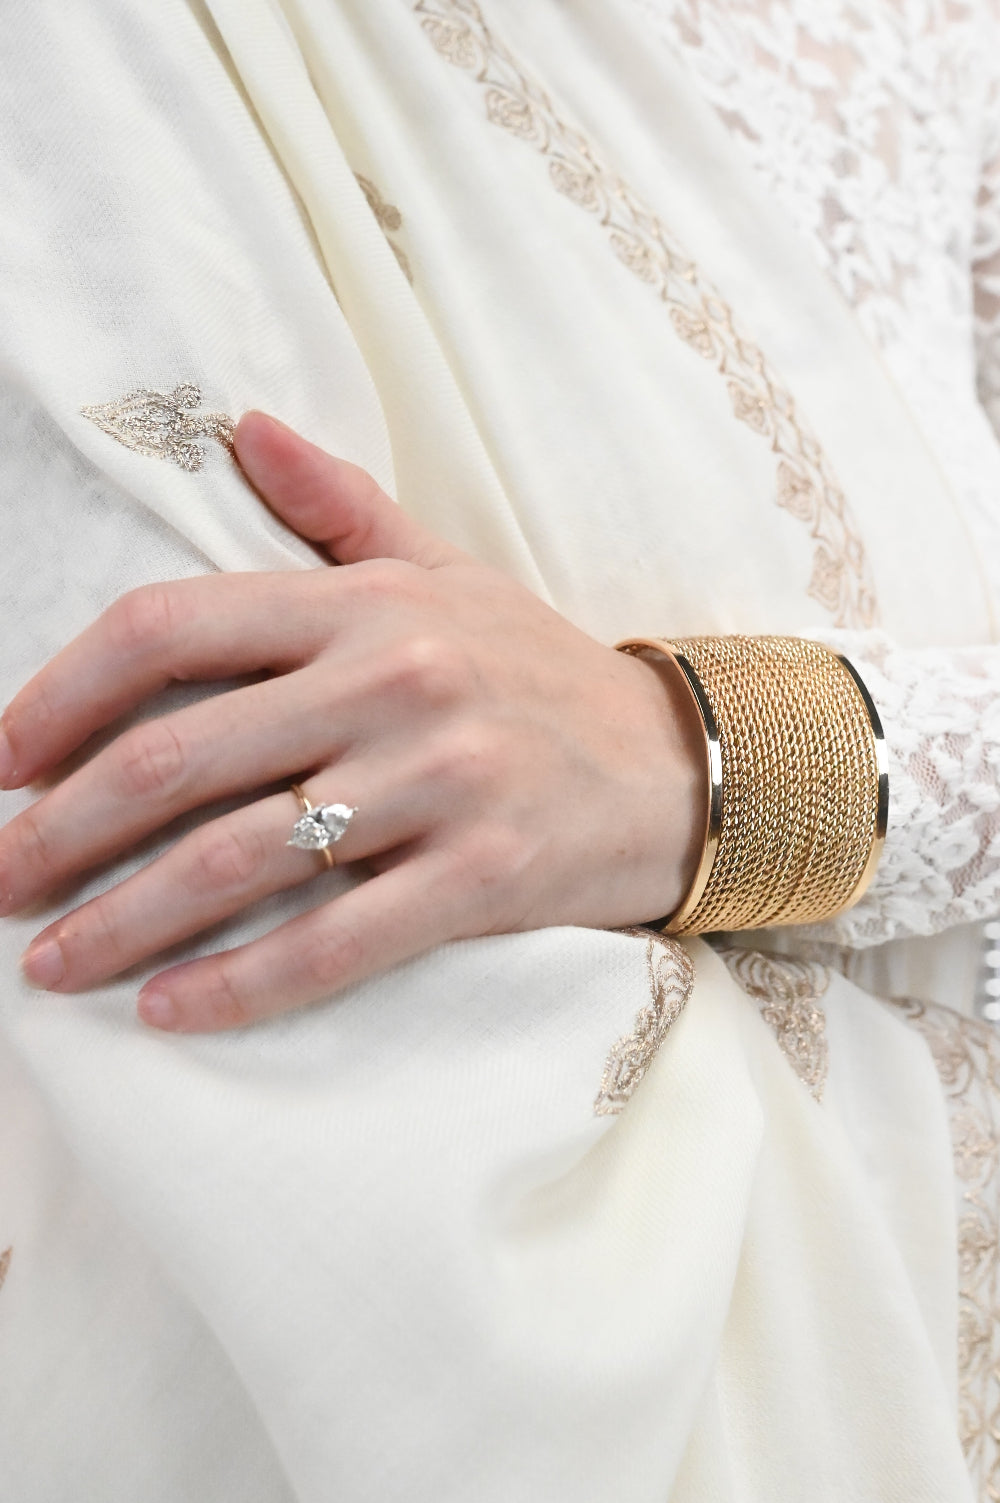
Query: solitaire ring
[{"x": 319, "y": 826}]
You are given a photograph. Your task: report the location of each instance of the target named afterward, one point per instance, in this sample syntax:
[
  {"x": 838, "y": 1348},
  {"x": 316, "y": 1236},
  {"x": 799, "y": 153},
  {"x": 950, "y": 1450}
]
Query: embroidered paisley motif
[
  {"x": 966, "y": 1052},
  {"x": 671, "y": 977},
  {"x": 806, "y": 486},
  {"x": 788, "y": 994},
  {"x": 163, "y": 424}
]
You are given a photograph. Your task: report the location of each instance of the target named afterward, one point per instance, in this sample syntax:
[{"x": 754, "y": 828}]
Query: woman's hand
[{"x": 508, "y": 771}]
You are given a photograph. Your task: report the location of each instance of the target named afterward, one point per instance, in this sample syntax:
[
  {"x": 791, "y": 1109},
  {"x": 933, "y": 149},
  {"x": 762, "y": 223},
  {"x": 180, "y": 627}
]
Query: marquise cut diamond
[{"x": 321, "y": 827}]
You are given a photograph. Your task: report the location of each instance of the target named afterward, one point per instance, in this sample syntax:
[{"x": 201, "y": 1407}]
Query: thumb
[{"x": 331, "y": 501}]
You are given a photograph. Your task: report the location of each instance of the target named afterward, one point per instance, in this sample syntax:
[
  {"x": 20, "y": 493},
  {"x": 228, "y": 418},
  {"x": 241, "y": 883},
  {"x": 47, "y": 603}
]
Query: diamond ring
[{"x": 319, "y": 826}]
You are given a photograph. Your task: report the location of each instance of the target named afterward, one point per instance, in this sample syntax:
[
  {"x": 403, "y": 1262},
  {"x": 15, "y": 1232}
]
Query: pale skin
[{"x": 509, "y": 771}]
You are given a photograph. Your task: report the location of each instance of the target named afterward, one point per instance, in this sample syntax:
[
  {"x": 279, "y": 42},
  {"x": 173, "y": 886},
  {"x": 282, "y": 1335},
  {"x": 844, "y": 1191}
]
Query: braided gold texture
[{"x": 804, "y": 782}]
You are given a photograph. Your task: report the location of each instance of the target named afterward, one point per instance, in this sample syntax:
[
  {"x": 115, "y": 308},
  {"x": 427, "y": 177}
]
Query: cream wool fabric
[{"x": 384, "y": 1248}]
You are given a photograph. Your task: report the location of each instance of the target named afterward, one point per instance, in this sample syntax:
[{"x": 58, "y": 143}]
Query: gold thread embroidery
[
  {"x": 5, "y": 1258},
  {"x": 966, "y": 1052},
  {"x": 806, "y": 485},
  {"x": 162, "y": 424},
  {"x": 788, "y": 994},
  {"x": 389, "y": 220},
  {"x": 671, "y": 977}
]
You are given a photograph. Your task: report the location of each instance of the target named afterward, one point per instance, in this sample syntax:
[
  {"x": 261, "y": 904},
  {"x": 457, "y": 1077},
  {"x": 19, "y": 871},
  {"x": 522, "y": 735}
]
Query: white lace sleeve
[
  {"x": 986, "y": 267},
  {"x": 940, "y": 709}
]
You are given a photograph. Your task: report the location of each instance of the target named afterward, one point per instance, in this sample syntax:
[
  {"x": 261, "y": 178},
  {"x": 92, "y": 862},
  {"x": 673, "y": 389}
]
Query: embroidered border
[
  {"x": 671, "y": 977},
  {"x": 788, "y": 994},
  {"x": 806, "y": 485},
  {"x": 966, "y": 1052},
  {"x": 389, "y": 221}
]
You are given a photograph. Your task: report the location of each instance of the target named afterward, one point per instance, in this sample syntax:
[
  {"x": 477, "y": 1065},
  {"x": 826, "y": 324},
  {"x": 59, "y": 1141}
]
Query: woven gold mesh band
[{"x": 799, "y": 788}]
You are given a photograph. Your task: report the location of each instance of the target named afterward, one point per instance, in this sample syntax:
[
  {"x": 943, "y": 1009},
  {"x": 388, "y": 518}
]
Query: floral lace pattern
[
  {"x": 877, "y": 129},
  {"x": 941, "y": 713}
]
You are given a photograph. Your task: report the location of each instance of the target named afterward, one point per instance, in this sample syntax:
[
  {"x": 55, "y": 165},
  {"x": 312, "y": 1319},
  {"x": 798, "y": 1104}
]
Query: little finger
[{"x": 406, "y": 910}]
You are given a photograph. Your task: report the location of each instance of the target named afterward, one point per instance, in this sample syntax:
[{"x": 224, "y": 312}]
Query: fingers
[
  {"x": 159, "y": 769},
  {"x": 401, "y": 913},
  {"x": 219, "y": 626},
  {"x": 214, "y": 873},
  {"x": 332, "y": 501}
]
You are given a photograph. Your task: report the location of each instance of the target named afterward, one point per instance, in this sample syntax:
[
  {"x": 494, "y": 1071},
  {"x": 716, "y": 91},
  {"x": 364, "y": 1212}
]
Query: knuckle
[
  {"x": 485, "y": 867},
  {"x": 381, "y": 578},
  {"x": 151, "y": 761},
  {"x": 467, "y": 758},
  {"x": 143, "y": 620},
  {"x": 494, "y": 855},
  {"x": 35, "y": 848},
  {"x": 329, "y": 959},
  {"x": 221, "y": 1003},
  {"x": 430, "y": 669},
  {"x": 228, "y": 859},
  {"x": 100, "y": 935}
]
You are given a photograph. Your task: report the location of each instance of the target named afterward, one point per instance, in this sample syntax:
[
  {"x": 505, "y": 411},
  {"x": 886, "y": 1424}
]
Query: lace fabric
[
  {"x": 876, "y": 127},
  {"x": 941, "y": 712}
]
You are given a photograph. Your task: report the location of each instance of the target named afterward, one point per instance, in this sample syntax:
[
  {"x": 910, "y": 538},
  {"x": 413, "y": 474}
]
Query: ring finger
[
  {"x": 215, "y": 872},
  {"x": 233, "y": 743}
]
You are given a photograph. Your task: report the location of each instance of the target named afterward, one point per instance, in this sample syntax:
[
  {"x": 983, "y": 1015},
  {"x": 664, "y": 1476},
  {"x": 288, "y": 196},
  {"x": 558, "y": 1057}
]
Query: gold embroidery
[
  {"x": 841, "y": 580},
  {"x": 389, "y": 220},
  {"x": 160, "y": 424},
  {"x": 788, "y": 992},
  {"x": 5, "y": 1258},
  {"x": 966, "y": 1052},
  {"x": 671, "y": 977}
]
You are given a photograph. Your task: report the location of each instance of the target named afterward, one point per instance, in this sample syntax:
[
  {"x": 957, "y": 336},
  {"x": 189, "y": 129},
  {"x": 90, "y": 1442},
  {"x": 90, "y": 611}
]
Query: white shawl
[{"x": 408, "y": 1245}]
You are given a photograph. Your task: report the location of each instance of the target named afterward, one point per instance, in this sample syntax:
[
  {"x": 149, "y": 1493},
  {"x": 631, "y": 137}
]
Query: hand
[{"x": 509, "y": 772}]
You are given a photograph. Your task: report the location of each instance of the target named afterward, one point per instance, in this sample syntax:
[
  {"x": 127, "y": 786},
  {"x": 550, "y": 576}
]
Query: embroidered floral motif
[
  {"x": 162, "y": 424},
  {"x": 787, "y": 993},
  {"x": 5, "y": 1258},
  {"x": 967, "y": 1054},
  {"x": 841, "y": 580},
  {"x": 671, "y": 977},
  {"x": 389, "y": 220}
]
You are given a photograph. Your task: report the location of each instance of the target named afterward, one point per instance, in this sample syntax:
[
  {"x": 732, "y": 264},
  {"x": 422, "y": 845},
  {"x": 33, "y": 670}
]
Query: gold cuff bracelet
[{"x": 798, "y": 780}]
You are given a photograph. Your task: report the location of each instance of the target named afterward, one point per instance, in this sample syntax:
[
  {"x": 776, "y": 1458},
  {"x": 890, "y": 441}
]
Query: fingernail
[
  {"x": 8, "y": 772},
  {"x": 43, "y": 964},
  {"x": 158, "y": 1010}
]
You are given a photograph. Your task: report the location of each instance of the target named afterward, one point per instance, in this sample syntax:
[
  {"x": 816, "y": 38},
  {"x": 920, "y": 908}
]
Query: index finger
[{"x": 213, "y": 627}]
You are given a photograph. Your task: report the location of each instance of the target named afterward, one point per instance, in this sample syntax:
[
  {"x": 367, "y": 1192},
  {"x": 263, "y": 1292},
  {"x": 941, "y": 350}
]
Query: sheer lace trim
[{"x": 941, "y": 712}]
